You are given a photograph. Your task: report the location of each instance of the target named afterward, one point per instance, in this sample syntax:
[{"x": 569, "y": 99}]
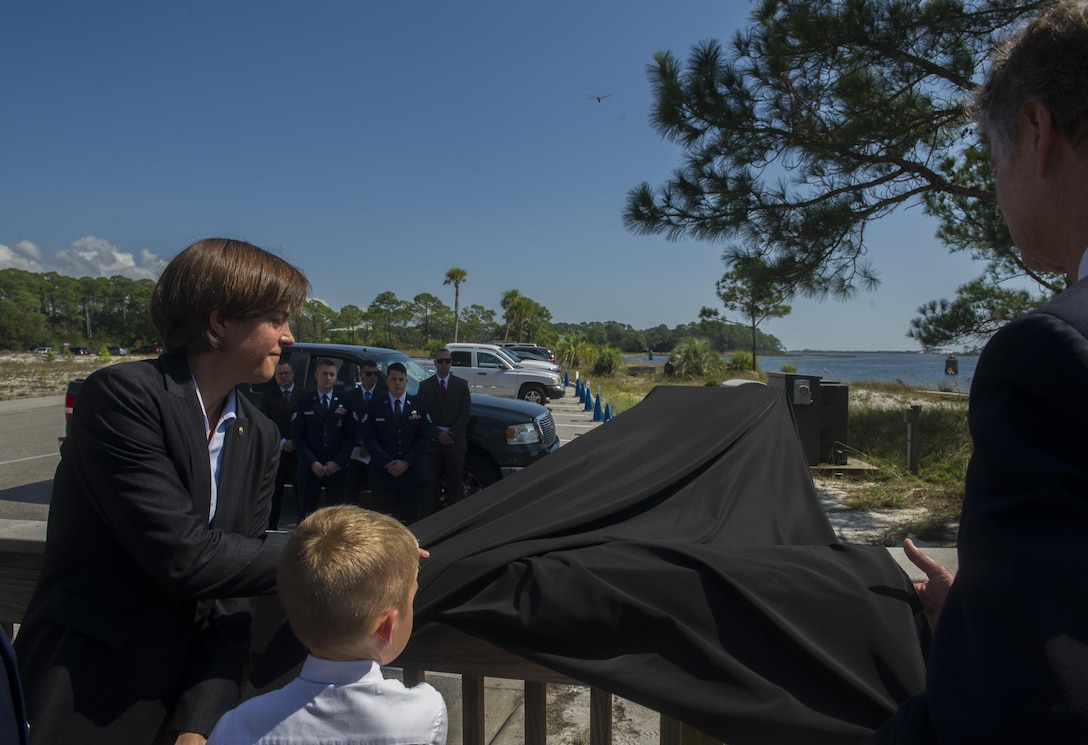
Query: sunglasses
[
  {"x": 442, "y": 362},
  {"x": 370, "y": 374}
]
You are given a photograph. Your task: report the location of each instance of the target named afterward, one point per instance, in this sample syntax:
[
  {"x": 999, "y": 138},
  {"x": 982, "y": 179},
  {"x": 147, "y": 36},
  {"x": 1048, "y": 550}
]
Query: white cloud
[
  {"x": 23, "y": 255},
  {"x": 88, "y": 257}
]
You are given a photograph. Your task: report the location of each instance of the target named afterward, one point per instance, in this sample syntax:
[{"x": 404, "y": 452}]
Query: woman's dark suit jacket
[{"x": 131, "y": 626}]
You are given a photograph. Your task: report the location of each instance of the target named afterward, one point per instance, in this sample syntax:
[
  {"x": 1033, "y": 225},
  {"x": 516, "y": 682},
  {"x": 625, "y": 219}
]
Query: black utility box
[{"x": 820, "y": 410}]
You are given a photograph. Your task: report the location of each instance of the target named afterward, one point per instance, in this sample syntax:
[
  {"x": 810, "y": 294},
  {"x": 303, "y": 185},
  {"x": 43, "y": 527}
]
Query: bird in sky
[{"x": 598, "y": 99}]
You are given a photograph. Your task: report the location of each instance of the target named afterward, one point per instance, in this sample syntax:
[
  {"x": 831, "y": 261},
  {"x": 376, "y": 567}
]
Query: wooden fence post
[{"x": 913, "y": 417}]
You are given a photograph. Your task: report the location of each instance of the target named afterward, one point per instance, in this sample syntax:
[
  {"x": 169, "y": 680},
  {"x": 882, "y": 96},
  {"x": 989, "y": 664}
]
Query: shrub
[
  {"x": 695, "y": 358},
  {"x": 742, "y": 361},
  {"x": 609, "y": 361},
  {"x": 573, "y": 350}
]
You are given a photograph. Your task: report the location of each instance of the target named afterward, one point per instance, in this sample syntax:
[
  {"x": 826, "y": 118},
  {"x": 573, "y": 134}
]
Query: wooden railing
[{"x": 438, "y": 648}]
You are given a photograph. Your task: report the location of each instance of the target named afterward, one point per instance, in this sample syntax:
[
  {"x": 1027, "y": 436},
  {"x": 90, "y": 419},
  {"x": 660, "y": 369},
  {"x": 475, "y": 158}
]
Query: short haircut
[
  {"x": 324, "y": 362},
  {"x": 368, "y": 363},
  {"x": 1046, "y": 60},
  {"x": 440, "y": 351},
  {"x": 235, "y": 277},
  {"x": 343, "y": 568},
  {"x": 397, "y": 367}
]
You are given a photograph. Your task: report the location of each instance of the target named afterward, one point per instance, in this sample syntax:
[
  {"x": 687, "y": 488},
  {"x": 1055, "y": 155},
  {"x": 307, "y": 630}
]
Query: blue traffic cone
[
  {"x": 597, "y": 415},
  {"x": 566, "y": 380},
  {"x": 589, "y": 401},
  {"x": 607, "y": 411}
]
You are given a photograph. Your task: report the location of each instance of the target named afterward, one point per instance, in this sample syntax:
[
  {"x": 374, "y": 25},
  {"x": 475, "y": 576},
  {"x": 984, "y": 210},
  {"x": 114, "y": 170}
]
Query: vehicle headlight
[
  {"x": 555, "y": 380},
  {"x": 522, "y": 434}
]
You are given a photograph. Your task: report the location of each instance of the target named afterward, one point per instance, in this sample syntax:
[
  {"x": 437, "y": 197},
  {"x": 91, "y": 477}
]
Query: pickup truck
[
  {"x": 503, "y": 436},
  {"x": 488, "y": 370}
]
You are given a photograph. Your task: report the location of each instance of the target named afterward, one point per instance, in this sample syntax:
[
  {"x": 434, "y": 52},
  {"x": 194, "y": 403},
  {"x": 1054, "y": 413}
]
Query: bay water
[{"x": 912, "y": 369}]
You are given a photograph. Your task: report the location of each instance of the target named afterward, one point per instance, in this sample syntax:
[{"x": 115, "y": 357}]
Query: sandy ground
[
  {"x": 27, "y": 375},
  {"x": 861, "y": 526},
  {"x": 905, "y": 399}
]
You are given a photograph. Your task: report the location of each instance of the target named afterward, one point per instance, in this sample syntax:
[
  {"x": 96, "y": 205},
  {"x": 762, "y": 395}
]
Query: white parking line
[{"x": 32, "y": 457}]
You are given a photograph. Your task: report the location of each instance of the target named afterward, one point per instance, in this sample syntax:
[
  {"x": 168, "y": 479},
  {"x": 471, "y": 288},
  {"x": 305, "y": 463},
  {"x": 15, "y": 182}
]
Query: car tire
[
  {"x": 478, "y": 474},
  {"x": 534, "y": 394}
]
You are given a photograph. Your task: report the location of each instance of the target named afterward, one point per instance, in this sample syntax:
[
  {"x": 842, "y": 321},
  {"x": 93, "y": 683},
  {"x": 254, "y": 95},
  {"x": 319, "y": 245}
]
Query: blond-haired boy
[{"x": 346, "y": 581}]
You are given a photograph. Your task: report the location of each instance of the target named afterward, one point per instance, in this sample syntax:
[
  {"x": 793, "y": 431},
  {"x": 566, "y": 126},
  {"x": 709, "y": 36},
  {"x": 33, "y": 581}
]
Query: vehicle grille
[{"x": 547, "y": 428}]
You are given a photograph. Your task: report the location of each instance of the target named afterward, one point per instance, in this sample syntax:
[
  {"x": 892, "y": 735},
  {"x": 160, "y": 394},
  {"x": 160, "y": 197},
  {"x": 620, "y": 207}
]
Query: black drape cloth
[{"x": 678, "y": 556}]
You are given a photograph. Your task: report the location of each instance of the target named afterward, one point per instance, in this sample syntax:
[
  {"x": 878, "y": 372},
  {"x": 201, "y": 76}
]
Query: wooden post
[
  {"x": 536, "y": 713},
  {"x": 600, "y": 717},
  {"x": 472, "y": 709},
  {"x": 913, "y": 418},
  {"x": 669, "y": 731}
]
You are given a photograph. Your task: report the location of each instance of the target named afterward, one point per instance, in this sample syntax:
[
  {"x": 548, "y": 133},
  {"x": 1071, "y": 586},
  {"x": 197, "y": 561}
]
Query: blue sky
[{"x": 376, "y": 145}]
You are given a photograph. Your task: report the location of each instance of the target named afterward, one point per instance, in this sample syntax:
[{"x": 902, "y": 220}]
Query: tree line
[{"x": 53, "y": 310}]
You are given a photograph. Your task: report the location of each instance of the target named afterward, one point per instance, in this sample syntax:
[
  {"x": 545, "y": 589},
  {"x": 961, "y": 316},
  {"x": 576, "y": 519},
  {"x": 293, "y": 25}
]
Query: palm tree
[
  {"x": 455, "y": 277},
  {"x": 509, "y": 305}
]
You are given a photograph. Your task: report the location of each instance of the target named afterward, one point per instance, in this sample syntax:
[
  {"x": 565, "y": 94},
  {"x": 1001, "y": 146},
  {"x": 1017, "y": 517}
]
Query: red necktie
[{"x": 442, "y": 388}]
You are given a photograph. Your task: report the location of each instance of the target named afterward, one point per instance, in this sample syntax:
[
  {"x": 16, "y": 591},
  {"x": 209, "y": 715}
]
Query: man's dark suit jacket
[
  {"x": 320, "y": 436},
  {"x": 124, "y": 628},
  {"x": 1009, "y": 661},
  {"x": 388, "y": 442},
  {"x": 453, "y": 412},
  {"x": 280, "y": 411}
]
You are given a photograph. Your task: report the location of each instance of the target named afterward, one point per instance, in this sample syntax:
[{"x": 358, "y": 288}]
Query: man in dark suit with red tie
[
  {"x": 450, "y": 406},
  {"x": 324, "y": 433},
  {"x": 279, "y": 404},
  {"x": 396, "y": 431}
]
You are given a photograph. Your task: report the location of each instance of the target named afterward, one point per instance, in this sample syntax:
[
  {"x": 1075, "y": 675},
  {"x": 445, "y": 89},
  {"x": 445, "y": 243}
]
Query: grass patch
[{"x": 932, "y": 528}]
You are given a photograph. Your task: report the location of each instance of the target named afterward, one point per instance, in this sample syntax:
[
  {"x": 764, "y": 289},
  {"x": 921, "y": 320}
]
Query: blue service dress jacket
[
  {"x": 1009, "y": 661},
  {"x": 136, "y": 621},
  {"x": 320, "y": 435},
  {"x": 387, "y": 441}
]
